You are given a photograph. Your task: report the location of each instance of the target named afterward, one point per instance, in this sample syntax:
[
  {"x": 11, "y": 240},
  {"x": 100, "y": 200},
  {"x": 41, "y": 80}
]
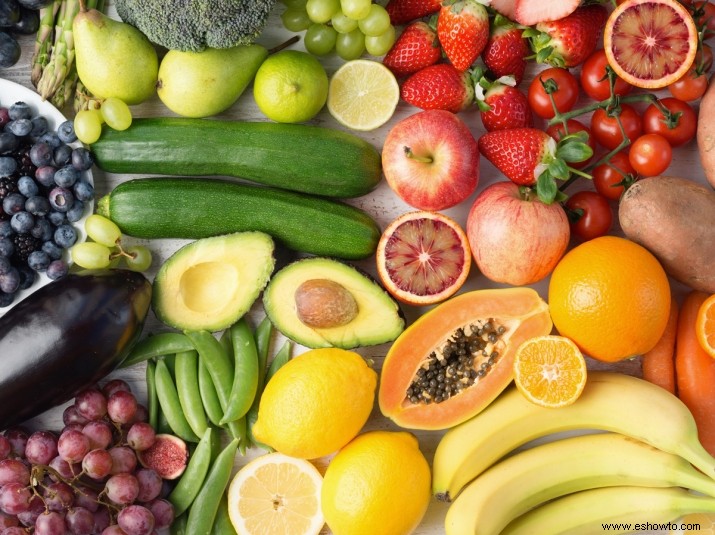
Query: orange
[
  {"x": 705, "y": 325},
  {"x": 611, "y": 296},
  {"x": 650, "y": 43},
  {"x": 550, "y": 371}
]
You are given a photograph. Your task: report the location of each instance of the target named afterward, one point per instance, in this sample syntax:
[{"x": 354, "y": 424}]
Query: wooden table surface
[{"x": 382, "y": 204}]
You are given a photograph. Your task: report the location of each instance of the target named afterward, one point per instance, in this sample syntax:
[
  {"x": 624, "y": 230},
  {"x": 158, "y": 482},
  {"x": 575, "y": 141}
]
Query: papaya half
[{"x": 457, "y": 358}]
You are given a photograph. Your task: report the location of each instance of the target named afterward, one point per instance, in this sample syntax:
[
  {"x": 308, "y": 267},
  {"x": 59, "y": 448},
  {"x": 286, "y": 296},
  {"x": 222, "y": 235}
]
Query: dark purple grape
[
  {"x": 29, "y": 517},
  {"x": 58, "y": 496},
  {"x": 41, "y": 447},
  {"x": 91, "y": 403},
  {"x": 5, "y": 447},
  {"x": 114, "y": 529},
  {"x": 97, "y": 464},
  {"x": 73, "y": 445},
  {"x": 121, "y": 407},
  {"x": 50, "y": 523},
  {"x": 141, "y": 436},
  {"x": 8, "y": 521},
  {"x": 163, "y": 512},
  {"x": 71, "y": 415},
  {"x": 15, "y": 498},
  {"x": 102, "y": 519},
  {"x": 80, "y": 521},
  {"x": 124, "y": 459},
  {"x": 100, "y": 434},
  {"x": 122, "y": 488},
  {"x": 136, "y": 520},
  {"x": 150, "y": 484},
  {"x": 14, "y": 471},
  {"x": 87, "y": 498},
  {"x": 15, "y": 530},
  {"x": 114, "y": 385}
]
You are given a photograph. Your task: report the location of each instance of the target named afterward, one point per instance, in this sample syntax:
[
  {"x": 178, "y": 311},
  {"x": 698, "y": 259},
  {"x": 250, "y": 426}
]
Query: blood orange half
[
  {"x": 650, "y": 43},
  {"x": 423, "y": 258}
]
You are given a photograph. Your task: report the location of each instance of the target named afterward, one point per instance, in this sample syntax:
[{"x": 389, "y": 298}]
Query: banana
[
  {"x": 533, "y": 476},
  {"x": 587, "y": 512},
  {"x": 610, "y": 402}
]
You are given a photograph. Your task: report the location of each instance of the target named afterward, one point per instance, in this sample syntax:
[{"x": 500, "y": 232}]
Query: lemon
[
  {"x": 363, "y": 94},
  {"x": 276, "y": 495},
  {"x": 290, "y": 86},
  {"x": 378, "y": 484},
  {"x": 316, "y": 403}
]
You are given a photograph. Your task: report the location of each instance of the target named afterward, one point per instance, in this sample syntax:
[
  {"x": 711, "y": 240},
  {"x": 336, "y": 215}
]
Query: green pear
[
  {"x": 202, "y": 84},
  {"x": 113, "y": 58}
]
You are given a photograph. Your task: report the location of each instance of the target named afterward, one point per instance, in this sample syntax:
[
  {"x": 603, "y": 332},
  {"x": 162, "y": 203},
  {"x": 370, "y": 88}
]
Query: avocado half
[
  {"x": 378, "y": 318},
  {"x": 210, "y": 283}
]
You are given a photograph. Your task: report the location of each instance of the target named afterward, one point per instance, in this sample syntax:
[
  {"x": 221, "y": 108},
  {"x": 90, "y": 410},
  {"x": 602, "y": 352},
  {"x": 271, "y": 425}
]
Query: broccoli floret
[{"x": 196, "y": 24}]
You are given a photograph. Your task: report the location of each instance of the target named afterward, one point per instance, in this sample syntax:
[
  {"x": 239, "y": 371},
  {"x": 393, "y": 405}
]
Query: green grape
[
  {"x": 350, "y": 45},
  {"x": 90, "y": 255},
  {"x": 102, "y": 230},
  {"x": 320, "y": 39},
  {"x": 116, "y": 113},
  {"x": 355, "y": 9},
  {"x": 343, "y": 23},
  {"x": 321, "y": 11},
  {"x": 295, "y": 19},
  {"x": 379, "y": 45},
  {"x": 376, "y": 23},
  {"x": 139, "y": 258},
  {"x": 88, "y": 126}
]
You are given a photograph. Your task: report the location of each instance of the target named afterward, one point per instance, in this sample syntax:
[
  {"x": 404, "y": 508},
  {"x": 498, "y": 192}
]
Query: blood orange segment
[
  {"x": 423, "y": 258},
  {"x": 650, "y": 43}
]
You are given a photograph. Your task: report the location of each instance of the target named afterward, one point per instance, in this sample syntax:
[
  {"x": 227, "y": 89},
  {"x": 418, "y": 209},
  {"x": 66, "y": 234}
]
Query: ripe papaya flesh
[{"x": 457, "y": 358}]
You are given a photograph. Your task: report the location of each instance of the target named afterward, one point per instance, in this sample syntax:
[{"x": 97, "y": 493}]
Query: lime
[
  {"x": 363, "y": 94},
  {"x": 291, "y": 86}
]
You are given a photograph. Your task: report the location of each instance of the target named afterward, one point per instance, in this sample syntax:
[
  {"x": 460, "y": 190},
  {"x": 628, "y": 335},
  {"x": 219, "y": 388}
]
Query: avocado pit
[{"x": 323, "y": 303}]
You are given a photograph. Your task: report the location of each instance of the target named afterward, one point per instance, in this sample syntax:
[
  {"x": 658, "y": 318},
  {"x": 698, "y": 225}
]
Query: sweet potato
[
  {"x": 706, "y": 134},
  {"x": 674, "y": 218}
]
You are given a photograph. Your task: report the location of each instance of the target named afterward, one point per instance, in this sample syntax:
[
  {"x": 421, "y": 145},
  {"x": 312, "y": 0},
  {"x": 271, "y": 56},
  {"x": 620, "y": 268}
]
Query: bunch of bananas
[{"x": 644, "y": 463}]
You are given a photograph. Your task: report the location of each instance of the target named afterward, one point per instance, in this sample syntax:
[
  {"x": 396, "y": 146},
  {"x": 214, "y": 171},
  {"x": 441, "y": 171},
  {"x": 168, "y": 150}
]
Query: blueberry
[
  {"x": 5, "y": 265},
  {"x": 51, "y": 139},
  {"x": 45, "y": 175},
  {"x": 9, "y": 50},
  {"x": 10, "y": 281},
  {"x": 83, "y": 190},
  {"x": 22, "y": 222},
  {"x": 27, "y": 186},
  {"x": 63, "y": 155},
  {"x": 20, "y": 110},
  {"x": 8, "y": 165},
  {"x": 19, "y": 127},
  {"x": 38, "y": 205},
  {"x": 57, "y": 218},
  {"x": 65, "y": 236},
  {"x": 53, "y": 250},
  {"x": 38, "y": 260},
  {"x": 13, "y": 203},
  {"x": 82, "y": 159},
  {"x": 6, "y": 299},
  {"x": 43, "y": 229},
  {"x": 61, "y": 199},
  {"x": 41, "y": 154},
  {"x": 39, "y": 126},
  {"x": 66, "y": 132},
  {"x": 8, "y": 142},
  {"x": 75, "y": 213},
  {"x": 27, "y": 276},
  {"x": 57, "y": 269},
  {"x": 6, "y": 229},
  {"x": 66, "y": 176},
  {"x": 7, "y": 247}
]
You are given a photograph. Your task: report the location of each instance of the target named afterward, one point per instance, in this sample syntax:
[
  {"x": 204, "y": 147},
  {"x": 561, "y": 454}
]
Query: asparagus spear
[
  {"x": 43, "y": 40},
  {"x": 62, "y": 52}
]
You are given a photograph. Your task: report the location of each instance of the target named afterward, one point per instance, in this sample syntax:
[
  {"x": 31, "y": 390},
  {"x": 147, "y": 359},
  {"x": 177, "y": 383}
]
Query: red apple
[
  {"x": 431, "y": 160},
  {"x": 516, "y": 238}
]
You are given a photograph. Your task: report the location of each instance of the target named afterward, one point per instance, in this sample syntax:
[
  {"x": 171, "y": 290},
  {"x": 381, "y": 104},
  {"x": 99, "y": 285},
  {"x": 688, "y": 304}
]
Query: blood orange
[
  {"x": 650, "y": 43},
  {"x": 423, "y": 257}
]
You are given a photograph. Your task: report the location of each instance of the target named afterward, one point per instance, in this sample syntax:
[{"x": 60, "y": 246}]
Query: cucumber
[
  {"x": 193, "y": 208},
  {"x": 298, "y": 157}
]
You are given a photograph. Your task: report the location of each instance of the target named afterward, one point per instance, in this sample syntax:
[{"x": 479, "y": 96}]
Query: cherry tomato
[
  {"x": 608, "y": 178},
  {"x": 689, "y": 87},
  {"x": 594, "y": 81},
  {"x": 606, "y": 131},
  {"x": 650, "y": 154},
  {"x": 595, "y": 217},
  {"x": 704, "y": 13},
  {"x": 557, "y": 131},
  {"x": 685, "y": 127},
  {"x": 565, "y": 95}
]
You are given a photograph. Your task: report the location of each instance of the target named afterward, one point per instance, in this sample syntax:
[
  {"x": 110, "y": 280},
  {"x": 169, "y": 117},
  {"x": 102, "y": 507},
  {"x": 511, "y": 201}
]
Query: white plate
[{"x": 10, "y": 92}]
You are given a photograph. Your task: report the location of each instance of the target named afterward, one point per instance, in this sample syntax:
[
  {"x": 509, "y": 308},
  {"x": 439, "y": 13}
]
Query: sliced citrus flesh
[
  {"x": 550, "y": 370},
  {"x": 650, "y": 43},
  {"x": 363, "y": 94},
  {"x": 423, "y": 257},
  {"x": 705, "y": 325},
  {"x": 276, "y": 495}
]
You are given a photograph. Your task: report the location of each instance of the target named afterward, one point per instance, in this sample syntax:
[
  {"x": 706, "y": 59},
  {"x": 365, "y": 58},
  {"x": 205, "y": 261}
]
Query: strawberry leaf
[
  {"x": 546, "y": 188},
  {"x": 558, "y": 169}
]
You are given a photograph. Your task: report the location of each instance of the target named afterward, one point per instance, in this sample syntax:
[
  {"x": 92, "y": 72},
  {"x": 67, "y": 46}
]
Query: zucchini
[
  {"x": 298, "y": 157},
  {"x": 193, "y": 208}
]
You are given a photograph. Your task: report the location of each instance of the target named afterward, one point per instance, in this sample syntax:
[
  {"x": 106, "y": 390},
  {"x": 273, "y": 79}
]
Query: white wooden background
[{"x": 382, "y": 204}]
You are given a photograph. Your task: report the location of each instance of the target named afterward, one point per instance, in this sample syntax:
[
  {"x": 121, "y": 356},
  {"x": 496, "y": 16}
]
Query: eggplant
[{"x": 67, "y": 336}]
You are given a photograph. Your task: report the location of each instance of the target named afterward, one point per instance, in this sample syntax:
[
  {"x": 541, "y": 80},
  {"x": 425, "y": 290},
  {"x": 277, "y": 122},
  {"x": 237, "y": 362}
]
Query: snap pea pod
[
  {"x": 263, "y": 334},
  {"x": 157, "y": 345},
  {"x": 209, "y": 397},
  {"x": 162, "y": 424},
  {"x": 178, "y": 526},
  {"x": 222, "y": 522},
  {"x": 278, "y": 361},
  {"x": 205, "y": 506},
  {"x": 170, "y": 404},
  {"x": 245, "y": 371},
  {"x": 152, "y": 404},
  {"x": 226, "y": 343},
  {"x": 217, "y": 362},
  {"x": 185, "y": 491},
  {"x": 187, "y": 386}
]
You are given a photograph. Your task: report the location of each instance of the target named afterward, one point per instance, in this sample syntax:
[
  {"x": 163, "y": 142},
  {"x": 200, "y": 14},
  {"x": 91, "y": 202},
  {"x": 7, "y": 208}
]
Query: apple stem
[{"x": 410, "y": 154}]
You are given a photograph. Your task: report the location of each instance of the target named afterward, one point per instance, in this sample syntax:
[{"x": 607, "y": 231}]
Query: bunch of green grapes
[
  {"x": 113, "y": 111},
  {"x": 350, "y": 27}
]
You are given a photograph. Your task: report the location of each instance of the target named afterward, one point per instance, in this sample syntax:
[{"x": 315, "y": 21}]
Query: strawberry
[
  {"x": 463, "y": 31},
  {"x": 440, "y": 87},
  {"x": 503, "y": 107},
  {"x": 567, "y": 42},
  {"x": 506, "y": 51},
  {"x": 416, "y": 48},
  {"x": 404, "y": 11}
]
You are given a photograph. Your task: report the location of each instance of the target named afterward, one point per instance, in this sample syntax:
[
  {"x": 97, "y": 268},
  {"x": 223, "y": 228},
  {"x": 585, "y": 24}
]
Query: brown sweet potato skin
[
  {"x": 706, "y": 134},
  {"x": 674, "y": 218}
]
